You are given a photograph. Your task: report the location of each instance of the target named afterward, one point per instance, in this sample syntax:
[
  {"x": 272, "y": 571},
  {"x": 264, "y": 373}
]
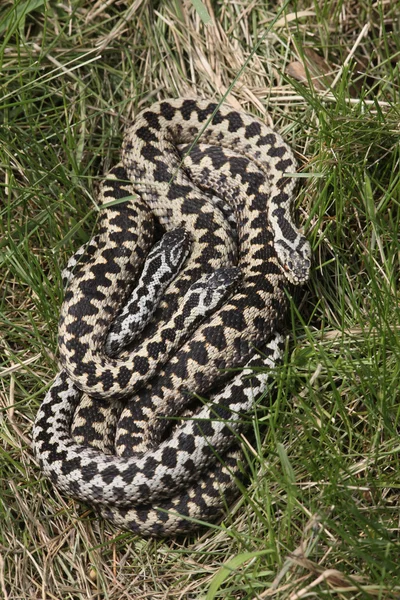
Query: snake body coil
[{"x": 164, "y": 475}]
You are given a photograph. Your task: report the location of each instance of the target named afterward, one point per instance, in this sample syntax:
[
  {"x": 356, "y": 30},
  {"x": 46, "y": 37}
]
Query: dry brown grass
[{"x": 325, "y": 506}]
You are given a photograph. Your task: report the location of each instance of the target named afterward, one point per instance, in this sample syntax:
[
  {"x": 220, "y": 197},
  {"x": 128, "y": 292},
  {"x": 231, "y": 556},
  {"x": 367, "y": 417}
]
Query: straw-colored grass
[{"x": 320, "y": 517}]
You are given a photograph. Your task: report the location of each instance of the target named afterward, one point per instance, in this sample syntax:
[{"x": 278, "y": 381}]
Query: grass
[{"x": 321, "y": 516}]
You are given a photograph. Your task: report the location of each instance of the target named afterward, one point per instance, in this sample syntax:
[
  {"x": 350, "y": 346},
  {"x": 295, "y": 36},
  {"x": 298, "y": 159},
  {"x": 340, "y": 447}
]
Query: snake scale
[{"x": 125, "y": 432}]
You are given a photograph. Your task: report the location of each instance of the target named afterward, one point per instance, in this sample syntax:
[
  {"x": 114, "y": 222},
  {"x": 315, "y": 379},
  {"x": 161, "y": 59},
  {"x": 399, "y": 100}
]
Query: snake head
[{"x": 296, "y": 261}]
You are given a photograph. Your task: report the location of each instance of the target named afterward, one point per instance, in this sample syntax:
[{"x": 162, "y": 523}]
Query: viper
[{"x": 251, "y": 168}]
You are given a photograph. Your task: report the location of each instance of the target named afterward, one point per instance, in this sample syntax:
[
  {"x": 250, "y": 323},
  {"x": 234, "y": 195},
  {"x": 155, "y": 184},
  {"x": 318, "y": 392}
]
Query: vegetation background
[{"x": 321, "y": 516}]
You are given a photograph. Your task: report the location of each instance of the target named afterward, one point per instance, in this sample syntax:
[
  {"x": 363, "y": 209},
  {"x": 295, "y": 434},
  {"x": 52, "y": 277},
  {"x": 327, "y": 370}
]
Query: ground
[{"x": 320, "y": 517}]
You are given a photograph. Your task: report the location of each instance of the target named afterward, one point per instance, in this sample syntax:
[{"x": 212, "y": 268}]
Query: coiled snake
[{"x": 163, "y": 474}]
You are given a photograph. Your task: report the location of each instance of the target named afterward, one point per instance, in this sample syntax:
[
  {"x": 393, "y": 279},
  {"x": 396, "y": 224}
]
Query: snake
[{"x": 154, "y": 485}]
